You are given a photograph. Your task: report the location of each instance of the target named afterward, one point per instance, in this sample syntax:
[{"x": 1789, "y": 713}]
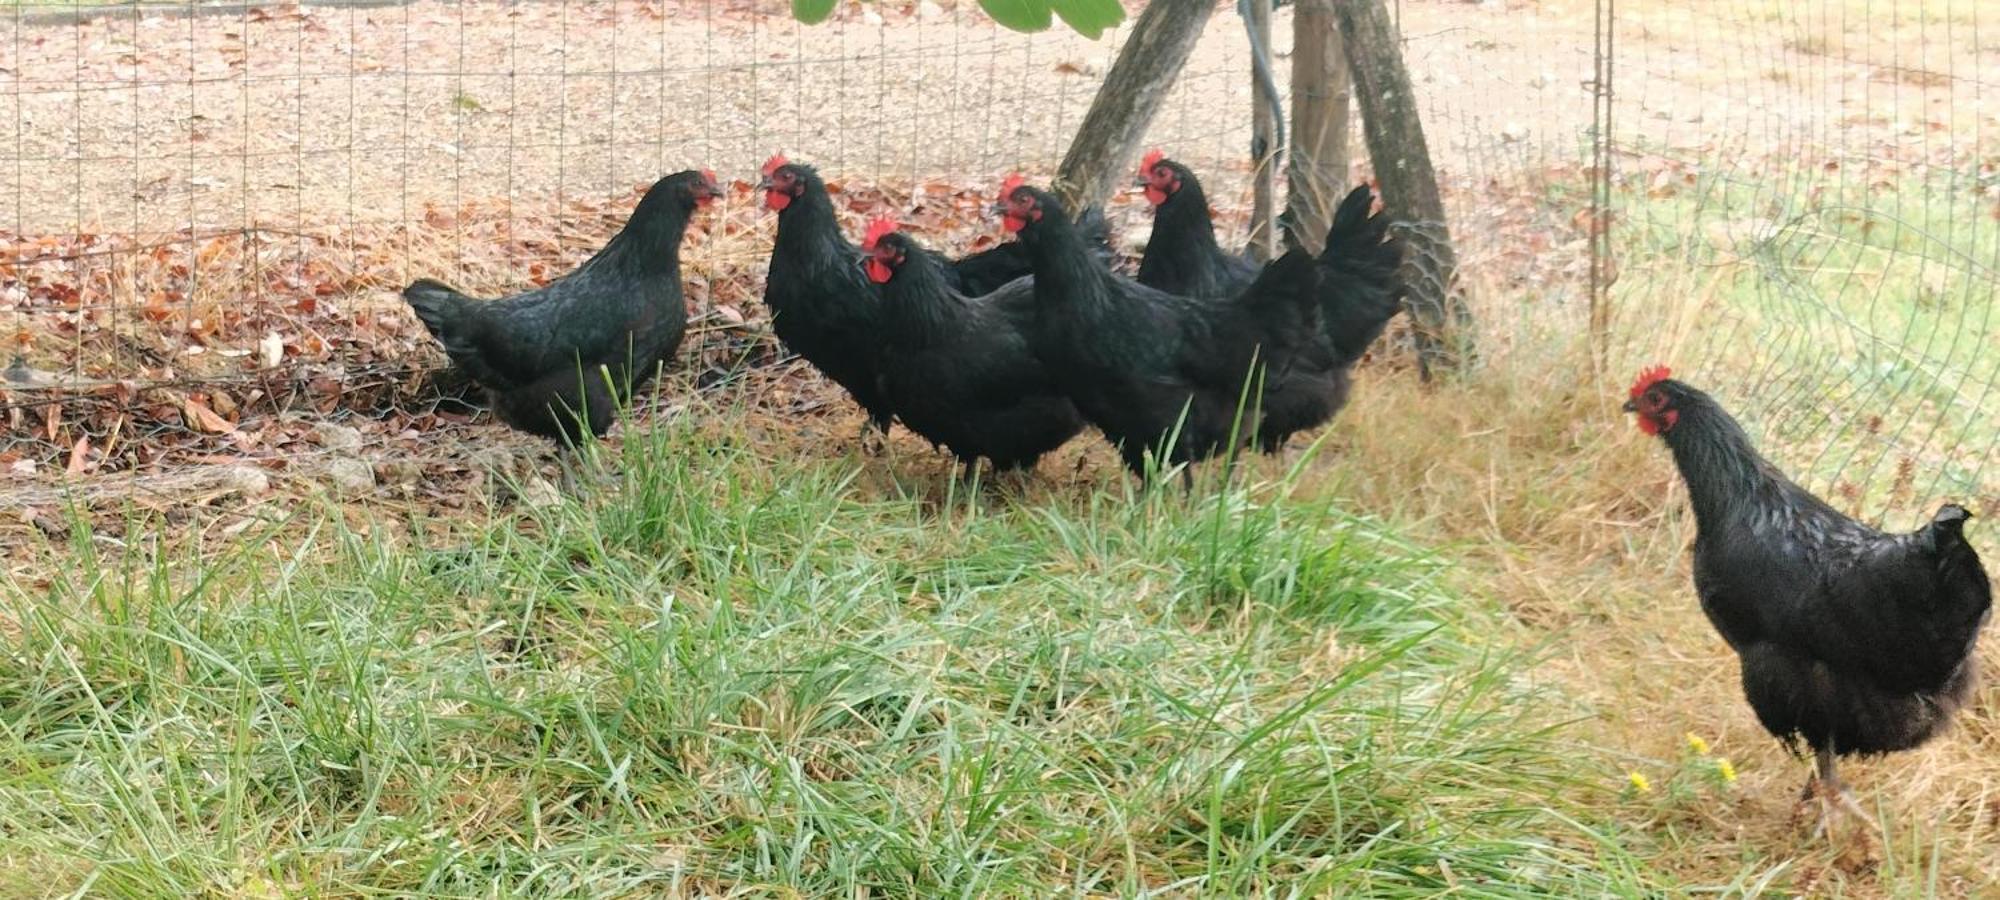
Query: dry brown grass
[{"x": 1568, "y": 518}]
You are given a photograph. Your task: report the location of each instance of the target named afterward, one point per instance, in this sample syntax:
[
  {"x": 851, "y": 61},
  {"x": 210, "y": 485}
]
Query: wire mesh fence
[
  {"x": 1793, "y": 203},
  {"x": 1807, "y": 217}
]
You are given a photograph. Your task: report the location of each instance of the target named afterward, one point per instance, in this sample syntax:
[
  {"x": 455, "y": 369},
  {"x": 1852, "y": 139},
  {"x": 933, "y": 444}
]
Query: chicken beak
[
  {"x": 764, "y": 184},
  {"x": 1631, "y": 406}
]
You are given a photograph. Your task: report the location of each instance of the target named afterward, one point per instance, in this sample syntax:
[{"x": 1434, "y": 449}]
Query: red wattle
[
  {"x": 1155, "y": 196},
  {"x": 776, "y": 200},
  {"x": 1013, "y": 223},
  {"x": 878, "y": 271}
]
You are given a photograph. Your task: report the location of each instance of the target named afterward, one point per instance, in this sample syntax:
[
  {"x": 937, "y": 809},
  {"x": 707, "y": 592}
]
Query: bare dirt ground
[
  {"x": 203, "y": 221},
  {"x": 310, "y": 116}
]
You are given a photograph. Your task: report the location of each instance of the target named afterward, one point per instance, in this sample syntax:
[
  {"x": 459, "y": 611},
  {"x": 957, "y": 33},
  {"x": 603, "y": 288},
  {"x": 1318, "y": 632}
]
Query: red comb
[
  {"x": 1649, "y": 377},
  {"x": 1152, "y": 159},
  {"x": 772, "y": 165},
  {"x": 881, "y": 226},
  {"x": 1007, "y": 187}
]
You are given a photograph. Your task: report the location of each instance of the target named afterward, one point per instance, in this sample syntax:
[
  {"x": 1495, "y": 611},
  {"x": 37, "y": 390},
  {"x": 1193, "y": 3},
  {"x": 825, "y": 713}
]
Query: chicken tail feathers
[
  {"x": 1289, "y": 282},
  {"x": 1951, "y": 519},
  {"x": 437, "y": 305},
  {"x": 1361, "y": 287},
  {"x": 453, "y": 319}
]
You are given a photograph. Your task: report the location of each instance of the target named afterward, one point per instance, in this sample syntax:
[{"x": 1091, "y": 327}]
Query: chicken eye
[{"x": 1655, "y": 398}]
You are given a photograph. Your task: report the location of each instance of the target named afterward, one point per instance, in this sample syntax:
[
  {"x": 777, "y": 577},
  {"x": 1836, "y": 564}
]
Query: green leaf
[
  {"x": 1019, "y": 15},
  {"x": 813, "y": 12},
  {"x": 1090, "y": 18}
]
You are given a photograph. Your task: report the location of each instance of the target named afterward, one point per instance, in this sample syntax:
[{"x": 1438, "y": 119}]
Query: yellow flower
[
  {"x": 1724, "y": 769},
  {"x": 1640, "y": 784},
  {"x": 1696, "y": 744}
]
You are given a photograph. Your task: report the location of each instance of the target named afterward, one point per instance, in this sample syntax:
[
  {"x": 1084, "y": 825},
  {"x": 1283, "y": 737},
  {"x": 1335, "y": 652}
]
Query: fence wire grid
[{"x": 1793, "y": 203}]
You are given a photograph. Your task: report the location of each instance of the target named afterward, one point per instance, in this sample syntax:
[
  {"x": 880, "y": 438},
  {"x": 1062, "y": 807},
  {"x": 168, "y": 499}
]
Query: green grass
[{"x": 743, "y": 671}]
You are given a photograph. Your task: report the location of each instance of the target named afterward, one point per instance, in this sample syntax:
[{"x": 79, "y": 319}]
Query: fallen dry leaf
[{"x": 205, "y": 419}]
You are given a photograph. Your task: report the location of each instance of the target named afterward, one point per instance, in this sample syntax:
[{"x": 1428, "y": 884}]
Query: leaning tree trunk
[
  {"x": 1321, "y": 95},
  {"x": 1108, "y": 140},
  {"x": 1409, "y": 185}
]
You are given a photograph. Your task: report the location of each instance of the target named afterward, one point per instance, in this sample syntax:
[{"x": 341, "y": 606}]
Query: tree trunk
[
  {"x": 1263, "y": 135},
  {"x": 1409, "y": 185},
  {"x": 1321, "y": 95},
  {"x": 1107, "y": 143}
]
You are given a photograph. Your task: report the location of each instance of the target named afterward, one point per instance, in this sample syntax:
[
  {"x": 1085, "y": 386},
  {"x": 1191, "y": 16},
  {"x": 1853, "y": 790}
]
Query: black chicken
[
  {"x": 1852, "y": 641},
  {"x": 959, "y": 369},
  {"x": 982, "y": 273},
  {"x": 555, "y": 359},
  {"x": 1360, "y": 290},
  {"x": 822, "y": 305},
  {"x": 1182, "y": 255},
  {"x": 1157, "y": 371}
]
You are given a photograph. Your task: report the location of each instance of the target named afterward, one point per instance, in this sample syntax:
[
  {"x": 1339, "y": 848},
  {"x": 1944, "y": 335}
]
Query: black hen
[
  {"x": 822, "y": 306},
  {"x": 982, "y": 273},
  {"x": 1852, "y": 641},
  {"x": 554, "y": 359},
  {"x": 1182, "y": 255},
  {"x": 959, "y": 369},
  {"x": 1134, "y": 359},
  {"x": 1359, "y": 292}
]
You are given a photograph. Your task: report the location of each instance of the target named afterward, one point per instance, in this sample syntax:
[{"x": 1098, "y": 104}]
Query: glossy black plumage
[
  {"x": 1182, "y": 255},
  {"x": 981, "y": 273},
  {"x": 1133, "y": 358},
  {"x": 1359, "y": 291},
  {"x": 825, "y": 309},
  {"x": 822, "y": 306},
  {"x": 1852, "y": 640},
  {"x": 1359, "y": 287},
  {"x": 959, "y": 370},
  {"x": 543, "y": 355}
]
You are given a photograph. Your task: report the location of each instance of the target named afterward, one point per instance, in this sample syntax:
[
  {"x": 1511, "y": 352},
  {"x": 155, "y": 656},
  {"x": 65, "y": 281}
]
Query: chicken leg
[
  {"x": 1833, "y": 797},
  {"x": 877, "y": 446}
]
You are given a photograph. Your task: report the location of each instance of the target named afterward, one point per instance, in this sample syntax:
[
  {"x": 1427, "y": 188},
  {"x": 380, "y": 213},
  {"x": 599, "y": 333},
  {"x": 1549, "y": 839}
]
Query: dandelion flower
[
  {"x": 1724, "y": 769},
  {"x": 1696, "y": 744},
  {"x": 1640, "y": 784}
]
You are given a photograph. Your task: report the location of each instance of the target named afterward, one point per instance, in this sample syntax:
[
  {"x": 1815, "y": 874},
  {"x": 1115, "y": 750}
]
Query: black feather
[
  {"x": 621, "y": 310},
  {"x": 1852, "y": 640},
  {"x": 960, "y": 370}
]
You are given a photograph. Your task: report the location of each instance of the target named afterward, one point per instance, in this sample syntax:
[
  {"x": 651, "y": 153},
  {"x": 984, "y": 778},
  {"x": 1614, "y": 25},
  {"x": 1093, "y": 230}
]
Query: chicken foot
[
  {"x": 1833, "y": 797},
  {"x": 879, "y": 444}
]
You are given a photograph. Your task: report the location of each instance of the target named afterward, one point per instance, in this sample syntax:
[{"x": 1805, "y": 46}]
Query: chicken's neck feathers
[
  {"x": 923, "y": 303},
  {"x": 1064, "y": 267},
  {"x": 648, "y": 245},
  {"x": 1184, "y": 219},
  {"x": 809, "y": 232},
  {"x": 1730, "y": 484}
]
